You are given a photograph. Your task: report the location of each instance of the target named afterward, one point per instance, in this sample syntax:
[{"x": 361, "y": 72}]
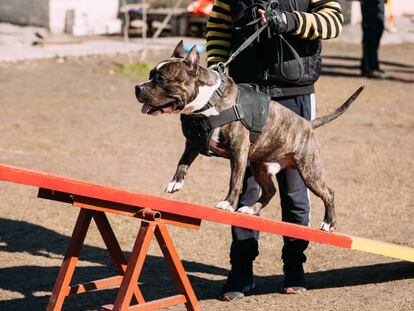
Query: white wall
[
  {"x": 400, "y": 7},
  {"x": 25, "y": 12},
  {"x": 90, "y": 16}
]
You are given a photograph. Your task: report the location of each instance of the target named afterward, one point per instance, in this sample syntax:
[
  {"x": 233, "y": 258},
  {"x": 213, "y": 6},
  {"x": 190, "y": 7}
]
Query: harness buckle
[{"x": 238, "y": 111}]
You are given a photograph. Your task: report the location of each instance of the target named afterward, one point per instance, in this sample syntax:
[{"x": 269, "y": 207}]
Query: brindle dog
[{"x": 181, "y": 85}]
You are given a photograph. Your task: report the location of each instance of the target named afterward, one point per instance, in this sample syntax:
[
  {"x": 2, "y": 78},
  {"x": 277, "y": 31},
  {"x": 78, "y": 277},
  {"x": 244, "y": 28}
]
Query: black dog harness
[{"x": 251, "y": 108}]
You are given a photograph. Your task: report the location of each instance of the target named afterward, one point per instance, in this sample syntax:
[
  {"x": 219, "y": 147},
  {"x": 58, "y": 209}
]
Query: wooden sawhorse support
[{"x": 152, "y": 223}]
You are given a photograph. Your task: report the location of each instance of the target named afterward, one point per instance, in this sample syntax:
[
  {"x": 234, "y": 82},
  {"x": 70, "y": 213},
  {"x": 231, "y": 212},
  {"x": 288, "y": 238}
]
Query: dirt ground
[{"x": 78, "y": 118}]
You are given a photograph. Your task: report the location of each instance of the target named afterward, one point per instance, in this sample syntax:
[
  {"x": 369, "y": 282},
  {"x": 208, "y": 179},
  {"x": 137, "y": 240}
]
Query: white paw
[
  {"x": 247, "y": 210},
  {"x": 225, "y": 205},
  {"x": 174, "y": 186},
  {"x": 325, "y": 226}
]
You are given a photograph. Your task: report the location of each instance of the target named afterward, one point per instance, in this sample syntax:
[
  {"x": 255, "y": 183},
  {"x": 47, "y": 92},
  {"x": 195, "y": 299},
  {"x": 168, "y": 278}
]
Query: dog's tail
[{"x": 340, "y": 110}]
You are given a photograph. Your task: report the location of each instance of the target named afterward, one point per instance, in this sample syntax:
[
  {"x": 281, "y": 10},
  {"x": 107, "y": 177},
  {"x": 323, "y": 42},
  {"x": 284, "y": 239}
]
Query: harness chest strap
[
  {"x": 251, "y": 109},
  {"x": 215, "y": 98}
]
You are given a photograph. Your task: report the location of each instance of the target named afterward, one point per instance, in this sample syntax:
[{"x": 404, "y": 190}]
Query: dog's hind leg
[
  {"x": 264, "y": 178},
  {"x": 312, "y": 174}
]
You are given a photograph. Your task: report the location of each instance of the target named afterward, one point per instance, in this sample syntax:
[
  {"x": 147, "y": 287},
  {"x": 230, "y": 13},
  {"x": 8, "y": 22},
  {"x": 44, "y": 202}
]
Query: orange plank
[{"x": 97, "y": 191}]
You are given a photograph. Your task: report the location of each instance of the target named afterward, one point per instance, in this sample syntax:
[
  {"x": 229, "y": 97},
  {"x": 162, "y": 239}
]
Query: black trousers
[
  {"x": 294, "y": 202},
  {"x": 372, "y": 27}
]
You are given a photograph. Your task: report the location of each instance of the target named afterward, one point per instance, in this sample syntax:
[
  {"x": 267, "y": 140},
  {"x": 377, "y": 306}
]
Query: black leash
[
  {"x": 244, "y": 45},
  {"x": 295, "y": 55},
  {"x": 252, "y": 38}
]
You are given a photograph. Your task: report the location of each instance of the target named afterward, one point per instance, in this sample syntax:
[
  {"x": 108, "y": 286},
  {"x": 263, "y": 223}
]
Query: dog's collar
[{"x": 218, "y": 93}]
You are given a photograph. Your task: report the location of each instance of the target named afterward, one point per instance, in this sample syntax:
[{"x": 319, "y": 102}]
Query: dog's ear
[
  {"x": 179, "y": 50},
  {"x": 193, "y": 59}
]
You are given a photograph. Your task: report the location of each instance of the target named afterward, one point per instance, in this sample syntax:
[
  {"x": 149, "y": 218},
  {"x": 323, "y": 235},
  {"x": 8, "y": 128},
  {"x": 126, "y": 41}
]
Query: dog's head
[{"x": 172, "y": 83}]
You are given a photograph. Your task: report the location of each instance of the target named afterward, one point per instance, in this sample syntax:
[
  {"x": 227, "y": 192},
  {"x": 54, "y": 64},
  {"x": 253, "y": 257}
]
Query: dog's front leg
[
  {"x": 177, "y": 183},
  {"x": 238, "y": 167}
]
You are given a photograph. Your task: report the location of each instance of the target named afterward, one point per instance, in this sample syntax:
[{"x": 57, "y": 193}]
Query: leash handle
[{"x": 295, "y": 55}]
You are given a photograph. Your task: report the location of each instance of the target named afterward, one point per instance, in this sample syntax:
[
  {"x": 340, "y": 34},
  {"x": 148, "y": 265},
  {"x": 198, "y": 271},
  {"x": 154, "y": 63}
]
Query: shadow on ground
[
  {"x": 36, "y": 282},
  {"x": 349, "y": 67}
]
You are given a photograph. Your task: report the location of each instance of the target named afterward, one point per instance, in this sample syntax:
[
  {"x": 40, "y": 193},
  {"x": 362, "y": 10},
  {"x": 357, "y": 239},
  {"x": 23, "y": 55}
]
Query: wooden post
[
  {"x": 114, "y": 250},
  {"x": 136, "y": 261},
  {"x": 61, "y": 288},
  {"x": 133, "y": 271},
  {"x": 176, "y": 267}
]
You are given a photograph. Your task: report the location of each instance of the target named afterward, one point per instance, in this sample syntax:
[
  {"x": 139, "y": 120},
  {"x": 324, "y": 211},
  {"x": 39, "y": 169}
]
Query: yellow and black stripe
[
  {"x": 219, "y": 32},
  {"x": 324, "y": 21}
]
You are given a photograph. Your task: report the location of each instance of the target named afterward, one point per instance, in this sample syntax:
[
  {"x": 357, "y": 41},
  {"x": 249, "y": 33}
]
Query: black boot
[
  {"x": 239, "y": 282},
  {"x": 294, "y": 279},
  {"x": 244, "y": 249}
]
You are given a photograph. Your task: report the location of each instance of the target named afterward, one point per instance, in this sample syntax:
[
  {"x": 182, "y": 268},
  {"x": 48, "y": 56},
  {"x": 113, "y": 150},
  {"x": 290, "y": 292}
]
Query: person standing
[
  {"x": 270, "y": 63},
  {"x": 373, "y": 22}
]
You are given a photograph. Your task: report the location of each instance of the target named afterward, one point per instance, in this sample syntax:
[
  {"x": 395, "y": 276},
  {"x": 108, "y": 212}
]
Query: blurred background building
[
  {"x": 88, "y": 17},
  {"x": 77, "y": 17}
]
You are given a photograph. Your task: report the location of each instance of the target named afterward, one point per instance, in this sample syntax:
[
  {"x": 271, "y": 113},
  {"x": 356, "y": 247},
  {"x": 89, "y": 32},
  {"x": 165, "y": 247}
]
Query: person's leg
[
  {"x": 369, "y": 37},
  {"x": 295, "y": 209},
  {"x": 380, "y": 18},
  {"x": 244, "y": 247},
  {"x": 372, "y": 26},
  {"x": 365, "y": 36},
  {"x": 294, "y": 198}
]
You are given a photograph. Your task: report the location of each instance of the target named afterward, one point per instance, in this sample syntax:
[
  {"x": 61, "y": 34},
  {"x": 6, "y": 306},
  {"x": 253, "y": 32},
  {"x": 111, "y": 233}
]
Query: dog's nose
[{"x": 138, "y": 90}]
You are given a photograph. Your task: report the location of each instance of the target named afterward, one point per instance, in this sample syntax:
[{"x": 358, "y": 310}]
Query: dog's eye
[{"x": 157, "y": 78}]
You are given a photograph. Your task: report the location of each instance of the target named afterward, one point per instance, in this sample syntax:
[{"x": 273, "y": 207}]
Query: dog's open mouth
[{"x": 168, "y": 107}]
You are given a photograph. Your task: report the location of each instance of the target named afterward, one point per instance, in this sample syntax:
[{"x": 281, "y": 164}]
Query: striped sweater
[{"x": 323, "y": 22}]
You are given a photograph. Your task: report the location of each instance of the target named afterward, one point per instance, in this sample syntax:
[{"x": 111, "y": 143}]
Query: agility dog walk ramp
[{"x": 95, "y": 200}]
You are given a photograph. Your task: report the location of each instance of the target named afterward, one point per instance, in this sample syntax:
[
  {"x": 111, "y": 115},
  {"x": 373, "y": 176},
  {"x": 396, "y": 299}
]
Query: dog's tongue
[{"x": 145, "y": 108}]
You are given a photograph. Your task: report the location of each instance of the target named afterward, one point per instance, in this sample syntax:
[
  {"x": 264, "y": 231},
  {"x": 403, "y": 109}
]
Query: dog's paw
[
  {"x": 174, "y": 186},
  {"x": 247, "y": 210},
  {"x": 327, "y": 227},
  {"x": 225, "y": 205}
]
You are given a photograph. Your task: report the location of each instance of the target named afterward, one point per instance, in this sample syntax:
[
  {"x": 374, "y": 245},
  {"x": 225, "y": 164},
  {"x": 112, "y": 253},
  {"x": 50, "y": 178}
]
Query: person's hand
[
  {"x": 262, "y": 15},
  {"x": 275, "y": 18}
]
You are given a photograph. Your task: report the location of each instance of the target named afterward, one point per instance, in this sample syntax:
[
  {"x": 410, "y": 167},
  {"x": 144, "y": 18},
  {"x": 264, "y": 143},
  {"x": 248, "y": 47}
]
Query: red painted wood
[
  {"x": 77, "y": 187},
  {"x": 133, "y": 271},
  {"x": 115, "y": 251},
  {"x": 176, "y": 267},
  {"x": 110, "y": 282},
  {"x": 61, "y": 287}
]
